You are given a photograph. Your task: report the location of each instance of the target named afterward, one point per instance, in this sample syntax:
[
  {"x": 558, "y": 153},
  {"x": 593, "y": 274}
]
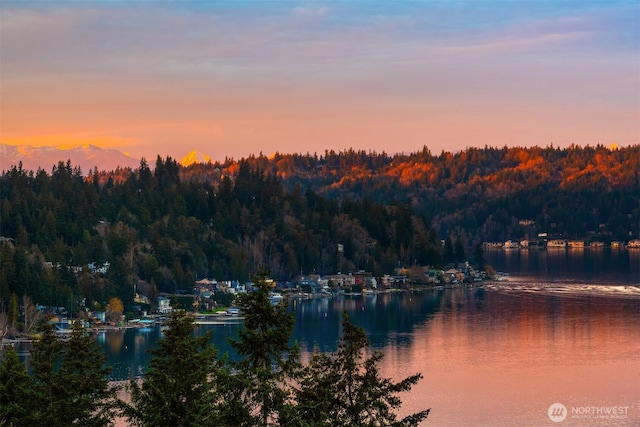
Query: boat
[
  {"x": 233, "y": 311},
  {"x": 502, "y": 277},
  {"x": 275, "y": 298}
]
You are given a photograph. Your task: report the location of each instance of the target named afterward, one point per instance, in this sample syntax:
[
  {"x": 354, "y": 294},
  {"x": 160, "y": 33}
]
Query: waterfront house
[
  {"x": 453, "y": 276},
  {"x": 510, "y": 244},
  {"x": 99, "y": 316},
  {"x": 164, "y": 305},
  {"x": 395, "y": 281},
  {"x": 556, "y": 243},
  {"x": 341, "y": 280},
  {"x": 633, "y": 244},
  {"x": 307, "y": 283},
  {"x": 434, "y": 275},
  {"x": 492, "y": 245}
]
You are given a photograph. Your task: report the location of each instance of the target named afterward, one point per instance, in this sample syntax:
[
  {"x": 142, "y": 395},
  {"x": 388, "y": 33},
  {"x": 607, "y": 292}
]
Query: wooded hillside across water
[
  {"x": 168, "y": 225},
  {"x": 481, "y": 194}
]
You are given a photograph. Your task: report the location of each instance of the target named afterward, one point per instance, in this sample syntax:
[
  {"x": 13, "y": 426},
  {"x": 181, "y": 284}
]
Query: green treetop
[
  {"x": 345, "y": 388},
  {"x": 268, "y": 361},
  {"x": 180, "y": 385},
  {"x": 15, "y": 391}
]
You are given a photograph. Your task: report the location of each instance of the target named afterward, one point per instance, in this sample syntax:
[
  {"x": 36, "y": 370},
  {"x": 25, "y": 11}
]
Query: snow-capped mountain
[
  {"x": 194, "y": 157},
  {"x": 85, "y": 156}
]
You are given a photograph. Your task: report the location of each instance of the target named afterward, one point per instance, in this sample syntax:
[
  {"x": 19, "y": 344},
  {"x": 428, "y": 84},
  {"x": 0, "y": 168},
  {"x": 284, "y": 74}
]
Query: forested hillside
[
  {"x": 59, "y": 230},
  {"x": 479, "y": 194}
]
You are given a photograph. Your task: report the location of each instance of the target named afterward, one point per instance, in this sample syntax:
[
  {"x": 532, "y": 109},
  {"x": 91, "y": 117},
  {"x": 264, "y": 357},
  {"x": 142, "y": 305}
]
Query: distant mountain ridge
[{"x": 86, "y": 156}]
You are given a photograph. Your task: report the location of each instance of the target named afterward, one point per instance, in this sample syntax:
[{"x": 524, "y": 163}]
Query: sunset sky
[{"x": 231, "y": 78}]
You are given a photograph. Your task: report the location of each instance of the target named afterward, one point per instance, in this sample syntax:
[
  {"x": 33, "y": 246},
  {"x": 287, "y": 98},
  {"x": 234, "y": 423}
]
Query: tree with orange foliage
[{"x": 115, "y": 308}]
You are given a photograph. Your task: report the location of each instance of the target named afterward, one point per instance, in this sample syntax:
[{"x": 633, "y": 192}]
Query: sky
[{"x": 241, "y": 77}]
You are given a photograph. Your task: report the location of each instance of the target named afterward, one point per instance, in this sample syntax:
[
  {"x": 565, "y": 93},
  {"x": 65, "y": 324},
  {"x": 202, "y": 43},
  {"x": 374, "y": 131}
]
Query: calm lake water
[
  {"x": 500, "y": 354},
  {"x": 489, "y": 356},
  {"x": 565, "y": 329},
  {"x": 593, "y": 266}
]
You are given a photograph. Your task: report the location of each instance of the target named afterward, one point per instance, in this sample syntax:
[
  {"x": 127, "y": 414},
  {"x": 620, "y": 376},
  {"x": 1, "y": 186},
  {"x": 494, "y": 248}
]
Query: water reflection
[
  {"x": 115, "y": 340},
  {"x": 389, "y": 318},
  {"x": 488, "y": 356},
  {"x": 520, "y": 353}
]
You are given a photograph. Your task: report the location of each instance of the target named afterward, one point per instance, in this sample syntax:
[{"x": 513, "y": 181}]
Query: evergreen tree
[
  {"x": 268, "y": 361},
  {"x": 71, "y": 385},
  {"x": 478, "y": 256},
  {"x": 314, "y": 397},
  {"x": 88, "y": 398},
  {"x": 15, "y": 391},
  {"x": 14, "y": 313},
  {"x": 345, "y": 388},
  {"x": 448, "y": 255},
  {"x": 458, "y": 249},
  {"x": 179, "y": 387},
  {"x": 45, "y": 360}
]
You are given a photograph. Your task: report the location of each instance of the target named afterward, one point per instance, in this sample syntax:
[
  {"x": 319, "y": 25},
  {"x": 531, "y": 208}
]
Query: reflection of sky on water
[
  {"x": 492, "y": 356},
  {"x": 389, "y": 319},
  {"x": 488, "y": 356},
  {"x": 518, "y": 353},
  {"x": 498, "y": 355}
]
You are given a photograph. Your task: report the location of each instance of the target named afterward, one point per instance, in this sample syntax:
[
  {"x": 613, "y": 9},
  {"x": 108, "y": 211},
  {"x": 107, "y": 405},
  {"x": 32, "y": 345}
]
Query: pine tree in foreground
[
  {"x": 15, "y": 391},
  {"x": 71, "y": 384},
  {"x": 180, "y": 385},
  {"x": 45, "y": 361},
  {"x": 260, "y": 386},
  {"x": 345, "y": 388},
  {"x": 89, "y": 399}
]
